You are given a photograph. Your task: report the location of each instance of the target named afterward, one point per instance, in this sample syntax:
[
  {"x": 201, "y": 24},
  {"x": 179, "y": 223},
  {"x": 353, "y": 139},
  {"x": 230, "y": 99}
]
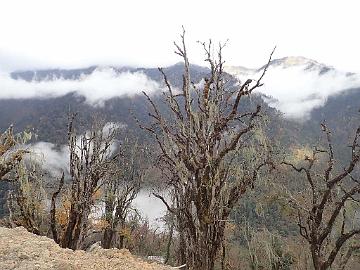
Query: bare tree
[
  {"x": 322, "y": 207},
  {"x": 23, "y": 200},
  {"x": 27, "y": 200},
  {"x": 92, "y": 162},
  {"x": 200, "y": 139},
  {"x": 121, "y": 192}
]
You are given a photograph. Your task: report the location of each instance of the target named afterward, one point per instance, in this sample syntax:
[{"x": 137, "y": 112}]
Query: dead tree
[
  {"x": 199, "y": 139},
  {"x": 92, "y": 162},
  {"x": 121, "y": 192},
  {"x": 322, "y": 217}
]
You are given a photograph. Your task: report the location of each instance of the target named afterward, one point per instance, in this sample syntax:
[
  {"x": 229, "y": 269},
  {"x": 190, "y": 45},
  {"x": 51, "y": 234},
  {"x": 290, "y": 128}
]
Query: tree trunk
[
  {"x": 107, "y": 239},
  {"x": 203, "y": 246},
  {"x": 67, "y": 240},
  {"x": 167, "y": 257},
  {"x": 182, "y": 248},
  {"x": 75, "y": 229},
  {"x": 121, "y": 244},
  {"x": 317, "y": 261}
]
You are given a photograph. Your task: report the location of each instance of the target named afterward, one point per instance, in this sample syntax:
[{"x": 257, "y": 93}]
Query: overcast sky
[{"x": 74, "y": 33}]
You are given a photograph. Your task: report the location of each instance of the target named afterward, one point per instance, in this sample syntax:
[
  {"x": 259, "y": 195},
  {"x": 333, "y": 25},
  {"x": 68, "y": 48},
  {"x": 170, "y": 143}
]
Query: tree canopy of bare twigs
[
  {"x": 27, "y": 199},
  {"x": 120, "y": 192},
  {"x": 323, "y": 208},
  {"x": 200, "y": 141},
  {"x": 92, "y": 163}
]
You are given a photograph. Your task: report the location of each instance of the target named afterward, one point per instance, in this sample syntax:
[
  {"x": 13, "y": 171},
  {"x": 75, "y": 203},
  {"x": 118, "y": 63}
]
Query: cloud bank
[
  {"x": 297, "y": 90},
  {"x": 101, "y": 85}
]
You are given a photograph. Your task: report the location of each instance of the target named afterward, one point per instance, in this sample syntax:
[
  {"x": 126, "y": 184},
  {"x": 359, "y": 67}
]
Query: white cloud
[
  {"x": 52, "y": 159},
  {"x": 150, "y": 207},
  {"x": 101, "y": 85},
  {"x": 296, "y": 90}
]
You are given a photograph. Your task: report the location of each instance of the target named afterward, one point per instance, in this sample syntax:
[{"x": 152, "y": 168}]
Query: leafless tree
[
  {"x": 25, "y": 197},
  {"x": 322, "y": 207},
  {"x": 26, "y": 202},
  {"x": 121, "y": 191},
  {"x": 200, "y": 140},
  {"x": 92, "y": 162}
]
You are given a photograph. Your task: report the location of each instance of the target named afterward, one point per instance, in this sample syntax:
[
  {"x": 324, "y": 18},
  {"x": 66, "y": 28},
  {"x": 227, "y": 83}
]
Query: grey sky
[{"x": 68, "y": 33}]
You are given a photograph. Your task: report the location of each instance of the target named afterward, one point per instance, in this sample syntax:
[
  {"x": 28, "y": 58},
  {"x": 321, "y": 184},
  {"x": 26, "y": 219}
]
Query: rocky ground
[{"x": 22, "y": 250}]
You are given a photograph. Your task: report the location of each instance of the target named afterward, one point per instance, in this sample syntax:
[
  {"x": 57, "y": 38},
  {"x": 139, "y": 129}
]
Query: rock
[{"x": 94, "y": 246}]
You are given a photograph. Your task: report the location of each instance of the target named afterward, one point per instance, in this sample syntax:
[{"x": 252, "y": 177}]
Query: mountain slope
[
  {"x": 48, "y": 114},
  {"x": 297, "y": 86}
]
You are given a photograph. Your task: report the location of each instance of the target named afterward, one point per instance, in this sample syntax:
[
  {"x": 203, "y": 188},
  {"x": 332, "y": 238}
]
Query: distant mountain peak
[
  {"x": 295, "y": 61},
  {"x": 289, "y": 62},
  {"x": 300, "y": 61}
]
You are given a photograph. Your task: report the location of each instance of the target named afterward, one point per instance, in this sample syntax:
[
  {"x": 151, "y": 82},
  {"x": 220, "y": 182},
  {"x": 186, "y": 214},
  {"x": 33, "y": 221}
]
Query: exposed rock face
[{"x": 22, "y": 250}]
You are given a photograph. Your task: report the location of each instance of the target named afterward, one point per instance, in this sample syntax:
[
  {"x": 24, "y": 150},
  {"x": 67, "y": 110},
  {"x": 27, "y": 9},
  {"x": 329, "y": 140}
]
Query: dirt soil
[{"x": 22, "y": 250}]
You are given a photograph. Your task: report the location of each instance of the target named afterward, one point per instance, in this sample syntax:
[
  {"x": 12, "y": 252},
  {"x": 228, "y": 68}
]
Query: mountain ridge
[{"x": 22, "y": 111}]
